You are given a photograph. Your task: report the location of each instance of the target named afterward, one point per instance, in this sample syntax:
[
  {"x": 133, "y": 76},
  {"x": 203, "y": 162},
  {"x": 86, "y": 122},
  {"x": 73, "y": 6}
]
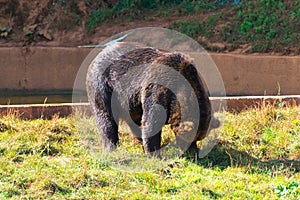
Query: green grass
[
  {"x": 264, "y": 25},
  {"x": 146, "y": 9},
  {"x": 257, "y": 157}
]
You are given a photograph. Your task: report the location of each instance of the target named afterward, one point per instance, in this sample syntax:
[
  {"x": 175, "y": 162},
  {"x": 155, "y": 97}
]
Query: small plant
[
  {"x": 289, "y": 191},
  {"x": 4, "y": 31}
]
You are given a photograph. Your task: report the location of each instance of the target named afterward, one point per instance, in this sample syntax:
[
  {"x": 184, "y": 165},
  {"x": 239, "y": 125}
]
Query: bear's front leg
[
  {"x": 151, "y": 131},
  {"x": 153, "y": 119},
  {"x": 152, "y": 144}
]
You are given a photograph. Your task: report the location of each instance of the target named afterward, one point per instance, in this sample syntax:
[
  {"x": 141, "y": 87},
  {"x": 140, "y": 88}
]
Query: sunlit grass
[{"x": 257, "y": 157}]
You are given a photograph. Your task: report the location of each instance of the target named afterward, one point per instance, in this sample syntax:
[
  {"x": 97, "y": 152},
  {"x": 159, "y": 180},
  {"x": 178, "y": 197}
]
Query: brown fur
[{"x": 100, "y": 88}]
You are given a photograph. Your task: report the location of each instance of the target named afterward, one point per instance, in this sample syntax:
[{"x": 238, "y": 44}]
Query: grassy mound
[
  {"x": 257, "y": 157},
  {"x": 241, "y": 26},
  {"x": 254, "y": 26}
]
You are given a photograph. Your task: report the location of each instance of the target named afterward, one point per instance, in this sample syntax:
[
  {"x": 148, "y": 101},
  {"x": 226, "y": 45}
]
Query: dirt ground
[
  {"x": 62, "y": 23},
  {"x": 43, "y": 23},
  {"x": 48, "y": 23}
]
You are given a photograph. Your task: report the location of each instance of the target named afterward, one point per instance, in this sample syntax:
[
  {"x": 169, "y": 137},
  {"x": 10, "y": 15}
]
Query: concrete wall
[
  {"x": 233, "y": 104},
  {"x": 40, "y": 67},
  {"x": 259, "y": 75},
  {"x": 55, "y": 68}
]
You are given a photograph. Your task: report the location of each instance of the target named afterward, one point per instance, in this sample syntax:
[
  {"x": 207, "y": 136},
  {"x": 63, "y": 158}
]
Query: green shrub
[
  {"x": 192, "y": 29},
  {"x": 268, "y": 24},
  {"x": 98, "y": 16}
]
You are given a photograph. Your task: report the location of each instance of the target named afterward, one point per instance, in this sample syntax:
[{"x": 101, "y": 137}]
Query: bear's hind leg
[
  {"x": 136, "y": 132},
  {"x": 108, "y": 130}
]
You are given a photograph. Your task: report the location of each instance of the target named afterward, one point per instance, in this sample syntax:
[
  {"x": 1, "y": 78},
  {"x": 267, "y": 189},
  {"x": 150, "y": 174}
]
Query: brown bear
[{"x": 147, "y": 105}]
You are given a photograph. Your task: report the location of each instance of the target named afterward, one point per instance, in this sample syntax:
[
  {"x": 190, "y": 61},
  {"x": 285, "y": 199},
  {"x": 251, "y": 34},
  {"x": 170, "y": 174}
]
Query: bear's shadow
[{"x": 223, "y": 156}]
